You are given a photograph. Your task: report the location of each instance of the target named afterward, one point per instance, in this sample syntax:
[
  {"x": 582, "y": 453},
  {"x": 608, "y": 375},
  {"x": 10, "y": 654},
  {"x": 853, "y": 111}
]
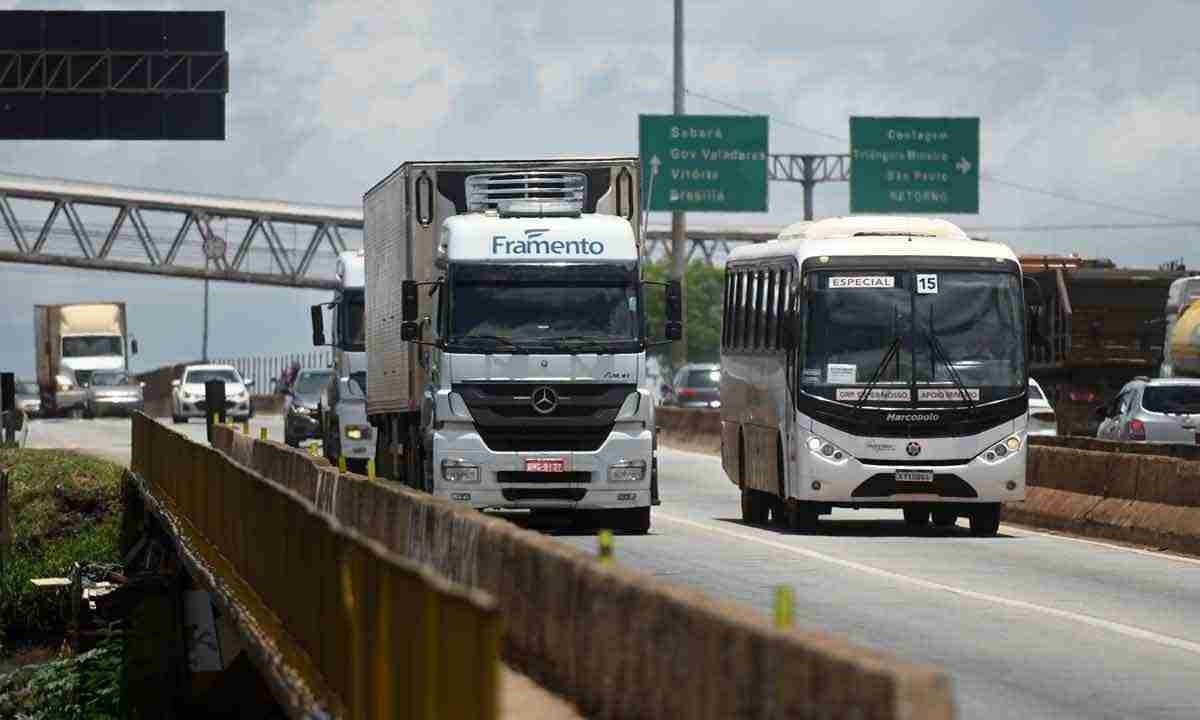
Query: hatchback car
[
  {"x": 302, "y": 410},
  {"x": 1041, "y": 414},
  {"x": 696, "y": 385},
  {"x": 1165, "y": 410},
  {"x": 187, "y": 394},
  {"x": 113, "y": 392}
]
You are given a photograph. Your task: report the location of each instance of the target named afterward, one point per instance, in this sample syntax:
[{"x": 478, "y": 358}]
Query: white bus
[{"x": 874, "y": 362}]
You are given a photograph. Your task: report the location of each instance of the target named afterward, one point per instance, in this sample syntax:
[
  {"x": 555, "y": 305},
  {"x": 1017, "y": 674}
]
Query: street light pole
[
  {"x": 204, "y": 335},
  {"x": 678, "y": 220}
]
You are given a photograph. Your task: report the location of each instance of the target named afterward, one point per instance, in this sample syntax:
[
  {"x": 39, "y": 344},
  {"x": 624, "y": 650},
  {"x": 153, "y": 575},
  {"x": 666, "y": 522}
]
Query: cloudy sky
[{"x": 1096, "y": 101}]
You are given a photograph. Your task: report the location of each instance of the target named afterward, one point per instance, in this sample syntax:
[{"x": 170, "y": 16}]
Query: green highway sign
[
  {"x": 922, "y": 165},
  {"x": 704, "y": 163}
]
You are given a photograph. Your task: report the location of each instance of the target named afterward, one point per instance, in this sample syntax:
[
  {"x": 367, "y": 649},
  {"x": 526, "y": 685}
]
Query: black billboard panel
[{"x": 113, "y": 75}]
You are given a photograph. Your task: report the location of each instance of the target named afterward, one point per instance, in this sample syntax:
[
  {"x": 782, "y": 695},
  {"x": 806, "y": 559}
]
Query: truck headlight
[
  {"x": 64, "y": 383},
  {"x": 357, "y": 432},
  {"x": 459, "y": 471},
  {"x": 627, "y": 471}
]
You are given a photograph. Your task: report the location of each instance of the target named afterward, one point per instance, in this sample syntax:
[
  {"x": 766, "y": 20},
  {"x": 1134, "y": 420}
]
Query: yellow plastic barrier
[{"x": 386, "y": 636}]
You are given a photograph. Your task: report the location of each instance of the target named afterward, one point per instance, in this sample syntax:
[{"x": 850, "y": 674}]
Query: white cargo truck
[
  {"x": 72, "y": 342},
  {"x": 343, "y": 419},
  {"x": 506, "y": 336}
]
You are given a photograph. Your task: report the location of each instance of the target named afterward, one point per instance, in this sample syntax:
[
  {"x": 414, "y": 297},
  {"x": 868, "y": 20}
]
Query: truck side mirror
[
  {"x": 408, "y": 301},
  {"x": 318, "y": 325},
  {"x": 1101, "y": 413},
  {"x": 409, "y": 331},
  {"x": 674, "y": 331},
  {"x": 675, "y": 302},
  {"x": 133, "y": 346}
]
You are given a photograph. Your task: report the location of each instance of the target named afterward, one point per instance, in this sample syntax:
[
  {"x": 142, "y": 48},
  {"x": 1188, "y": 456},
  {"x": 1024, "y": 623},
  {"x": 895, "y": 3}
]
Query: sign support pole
[{"x": 678, "y": 219}]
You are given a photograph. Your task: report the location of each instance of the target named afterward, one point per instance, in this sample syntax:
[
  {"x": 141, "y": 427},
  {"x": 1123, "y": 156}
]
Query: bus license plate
[
  {"x": 920, "y": 476},
  {"x": 545, "y": 465}
]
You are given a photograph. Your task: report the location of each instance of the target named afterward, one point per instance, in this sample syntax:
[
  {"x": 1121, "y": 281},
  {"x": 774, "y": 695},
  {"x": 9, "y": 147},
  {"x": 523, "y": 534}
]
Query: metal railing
[
  {"x": 344, "y": 626},
  {"x": 265, "y": 369}
]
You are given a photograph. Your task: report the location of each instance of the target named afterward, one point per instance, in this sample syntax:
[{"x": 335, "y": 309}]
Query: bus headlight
[
  {"x": 1001, "y": 450},
  {"x": 826, "y": 450},
  {"x": 459, "y": 471}
]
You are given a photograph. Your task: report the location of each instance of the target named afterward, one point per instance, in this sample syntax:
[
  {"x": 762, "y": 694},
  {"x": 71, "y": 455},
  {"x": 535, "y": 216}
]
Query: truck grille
[
  {"x": 507, "y": 421},
  {"x": 517, "y": 494},
  {"x": 517, "y": 439},
  {"x": 517, "y": 476}
]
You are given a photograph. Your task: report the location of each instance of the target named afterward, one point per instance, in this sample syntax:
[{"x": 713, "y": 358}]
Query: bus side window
[{"x": 771, "y": 336}]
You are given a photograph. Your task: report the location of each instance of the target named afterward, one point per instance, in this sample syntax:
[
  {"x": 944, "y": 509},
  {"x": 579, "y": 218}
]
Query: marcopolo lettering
[
  {"x": 913, "y": 417},
  {"x": 503, "y": 245}
]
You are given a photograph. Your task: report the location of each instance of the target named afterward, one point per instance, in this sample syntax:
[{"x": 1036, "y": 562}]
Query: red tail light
[
  {"x": 1136, "y": 430},
  {"x": 687, "y": 393}
]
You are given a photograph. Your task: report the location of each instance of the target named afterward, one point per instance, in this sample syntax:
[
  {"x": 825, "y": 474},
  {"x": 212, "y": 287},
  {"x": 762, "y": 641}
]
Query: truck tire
[
  {"x": 358, "y": 466},
  {"x": 755, "y": 507},
  {"x": 916, "y": 516},
  {"x": 178, "y": 420},
  {"x": 628, "y": 521},
  {"x": 75, "y": 413},
  {"x": 802, "y": 515},
  {"x": 944, "y": 518},
  {"x": 985, "y": 520}
]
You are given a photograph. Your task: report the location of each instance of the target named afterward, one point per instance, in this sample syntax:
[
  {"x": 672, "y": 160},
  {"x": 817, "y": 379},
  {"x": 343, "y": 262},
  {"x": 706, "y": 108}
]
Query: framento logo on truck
[{"x": 531, "y": 245}]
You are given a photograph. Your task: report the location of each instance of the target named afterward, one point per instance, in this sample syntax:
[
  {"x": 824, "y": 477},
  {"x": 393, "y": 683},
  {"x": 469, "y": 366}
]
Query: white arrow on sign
[
  {"x": 654, "y": 163},
  {"x": 963, "y": 165}
]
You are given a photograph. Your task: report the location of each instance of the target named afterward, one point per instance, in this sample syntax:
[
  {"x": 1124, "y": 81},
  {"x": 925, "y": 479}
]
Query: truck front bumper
[{"x": 504, "y": 483}]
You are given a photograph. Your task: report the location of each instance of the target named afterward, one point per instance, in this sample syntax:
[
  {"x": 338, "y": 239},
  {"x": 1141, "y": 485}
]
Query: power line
[{"x": 1183, "y": 222}]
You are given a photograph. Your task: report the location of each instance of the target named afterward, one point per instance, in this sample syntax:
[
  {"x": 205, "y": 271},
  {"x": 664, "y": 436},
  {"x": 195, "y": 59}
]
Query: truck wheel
[
  {"x": 801, "y": 515},
  {"x": 755, "y": 507},
  {"x": 944, "y": 518},
  {"x": 178, "y": 420},
  {"x": 985, "y": 520},
  {"x": 76, "y": 413},
  {"x": 916, "y": 516}
]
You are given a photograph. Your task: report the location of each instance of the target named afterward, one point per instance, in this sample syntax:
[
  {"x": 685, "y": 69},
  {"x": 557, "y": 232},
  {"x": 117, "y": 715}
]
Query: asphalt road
[{"x": 1029, "y": 625}]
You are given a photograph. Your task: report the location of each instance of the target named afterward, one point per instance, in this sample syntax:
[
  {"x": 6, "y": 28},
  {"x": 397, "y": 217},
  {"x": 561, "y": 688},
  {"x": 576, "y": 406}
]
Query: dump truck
[
  {"x": 506, "y": 336},
  {"x": 72, "y": 342}
]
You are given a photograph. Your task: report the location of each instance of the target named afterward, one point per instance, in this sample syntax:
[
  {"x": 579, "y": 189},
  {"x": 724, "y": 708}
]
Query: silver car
[
  {"x": 113, "y": 392},
  {"x": 1165, "y": 410}
]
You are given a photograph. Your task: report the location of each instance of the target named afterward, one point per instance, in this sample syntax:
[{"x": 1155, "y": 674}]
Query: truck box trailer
[{"x": 73, "y": 341}]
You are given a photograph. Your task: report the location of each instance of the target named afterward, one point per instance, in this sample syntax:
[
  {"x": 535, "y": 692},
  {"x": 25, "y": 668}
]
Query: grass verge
[
  {"x": 85, "y": 686},
  {"x": 64, "y": 508}
]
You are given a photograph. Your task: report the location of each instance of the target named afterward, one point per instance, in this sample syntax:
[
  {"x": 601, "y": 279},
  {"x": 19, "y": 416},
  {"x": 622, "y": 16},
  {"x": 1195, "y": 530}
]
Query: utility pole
[
  {"x": 204, "y": 332},
  {"x": 678, "y": 219}
]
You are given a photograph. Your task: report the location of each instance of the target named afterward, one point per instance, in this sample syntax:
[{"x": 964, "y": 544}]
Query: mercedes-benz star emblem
[
  {"x": 913, "y": 449},
  {"x": 544, "y": 400}
]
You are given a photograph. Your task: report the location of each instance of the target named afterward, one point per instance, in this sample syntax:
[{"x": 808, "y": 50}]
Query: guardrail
[
  {"x": 618, "y": 643},
  {"x": 337, "y": 624}
]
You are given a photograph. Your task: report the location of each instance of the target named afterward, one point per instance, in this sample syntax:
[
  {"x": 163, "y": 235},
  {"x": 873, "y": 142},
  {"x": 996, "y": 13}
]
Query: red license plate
[{"x": 546, "y": 465}]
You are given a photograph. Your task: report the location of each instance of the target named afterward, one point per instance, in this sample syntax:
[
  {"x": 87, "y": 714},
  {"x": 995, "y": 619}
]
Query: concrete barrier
[{"x": 618, "y": 643}]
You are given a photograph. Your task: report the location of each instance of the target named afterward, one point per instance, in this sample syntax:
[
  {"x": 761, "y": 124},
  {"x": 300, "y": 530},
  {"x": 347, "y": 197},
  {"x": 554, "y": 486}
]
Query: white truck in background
[
  {"x": 506, "y": 336},
  {"x": 73, "y": 341},
  {"x": 345, "y": 431}
]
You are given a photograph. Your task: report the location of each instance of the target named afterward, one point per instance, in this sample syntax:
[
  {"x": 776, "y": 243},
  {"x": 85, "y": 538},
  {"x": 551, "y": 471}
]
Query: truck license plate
[
  {"x": 545, "y": 465},
  {"x": 921, "y": 476}
]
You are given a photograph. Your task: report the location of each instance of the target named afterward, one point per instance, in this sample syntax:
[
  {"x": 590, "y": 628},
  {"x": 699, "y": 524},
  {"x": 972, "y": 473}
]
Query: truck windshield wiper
[
  {"x": 892, "y": 351},
  {"x": 939, "y": 353},
  {"x": 494, "y": 338}
]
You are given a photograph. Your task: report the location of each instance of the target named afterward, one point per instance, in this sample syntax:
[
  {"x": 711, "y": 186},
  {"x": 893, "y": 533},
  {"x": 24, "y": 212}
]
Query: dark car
[
  {"x": 113, "y": 392},
  {"x": 696, "y": 385},
  {"x": 302, "y": 410}
]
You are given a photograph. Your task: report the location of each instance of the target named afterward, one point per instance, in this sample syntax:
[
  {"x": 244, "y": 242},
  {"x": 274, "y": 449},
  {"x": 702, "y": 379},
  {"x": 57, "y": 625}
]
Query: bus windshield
[{"x": 924, "y": 338}]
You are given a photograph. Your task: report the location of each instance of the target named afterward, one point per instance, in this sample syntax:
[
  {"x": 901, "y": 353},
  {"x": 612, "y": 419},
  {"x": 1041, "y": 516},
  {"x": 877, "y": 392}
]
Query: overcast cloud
[{"x": 1091, "y": 99}]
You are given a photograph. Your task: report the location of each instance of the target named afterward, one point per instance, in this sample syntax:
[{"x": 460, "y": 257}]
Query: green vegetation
[
  {"x": 84, "y": 687},
  {"x": 705, "y": 295},
  {"x": 64, "y": 508}
]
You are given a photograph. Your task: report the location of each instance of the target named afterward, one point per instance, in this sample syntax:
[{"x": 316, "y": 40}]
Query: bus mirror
[
  {"x": 674, "y": 303},
  {"x": 408, "y": 301},
  {"x": 318, "y": 326},
  {"x": 674, "y": 331},
  {"x": 133, "y": 346},
  {"x": 409, "y": 331}
]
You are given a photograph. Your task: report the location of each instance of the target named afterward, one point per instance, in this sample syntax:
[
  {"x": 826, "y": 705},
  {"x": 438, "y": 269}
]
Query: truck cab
[
  {"x": 515, "y": 378},
  {"x": 345, "y": 432}
]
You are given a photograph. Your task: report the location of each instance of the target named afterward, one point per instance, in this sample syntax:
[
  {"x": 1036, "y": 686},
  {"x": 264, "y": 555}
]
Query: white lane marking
[
  {"x": 1115, "y": 627},
  {"x": 1160, "y": 554}
]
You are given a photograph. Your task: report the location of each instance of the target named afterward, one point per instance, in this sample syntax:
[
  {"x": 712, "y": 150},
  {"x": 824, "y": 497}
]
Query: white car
[
  {"x": 187, "y": 395},
  {"x": 1041, "y": 415}
]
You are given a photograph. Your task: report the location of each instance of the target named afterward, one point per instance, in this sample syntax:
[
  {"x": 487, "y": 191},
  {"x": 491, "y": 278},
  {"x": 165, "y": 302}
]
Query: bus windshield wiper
[
  {"x": 939, "y": 352},
  {"x": 892, "y": 351},
  {"x": 494, "y": 338}
]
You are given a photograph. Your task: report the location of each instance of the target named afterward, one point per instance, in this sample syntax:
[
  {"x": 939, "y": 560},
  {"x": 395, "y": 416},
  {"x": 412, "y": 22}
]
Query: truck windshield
[
  {"x": 311, "y": 383},
  {"x": 947, "y": 328},
  {"x": 545, "y": 307},
  {"x": 91, "y": 346}
]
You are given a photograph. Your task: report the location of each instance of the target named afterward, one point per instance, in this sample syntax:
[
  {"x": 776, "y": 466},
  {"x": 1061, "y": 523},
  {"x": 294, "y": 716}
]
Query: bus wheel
[
  {"x": 985, "y": 520},
  {"x": 801, "y": 515},
  {"x": 944, "y": 518},
  {"x": 916, "y": 516},
  {"x": 755, "y": 507}
]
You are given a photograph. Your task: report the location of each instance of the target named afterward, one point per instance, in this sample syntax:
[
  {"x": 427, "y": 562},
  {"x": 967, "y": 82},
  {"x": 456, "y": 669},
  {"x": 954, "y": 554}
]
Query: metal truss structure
[
  {"x": 143, "y": 73},
  {"x": 808, "y": 170},
  {"x": 209, "y": 258}
]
